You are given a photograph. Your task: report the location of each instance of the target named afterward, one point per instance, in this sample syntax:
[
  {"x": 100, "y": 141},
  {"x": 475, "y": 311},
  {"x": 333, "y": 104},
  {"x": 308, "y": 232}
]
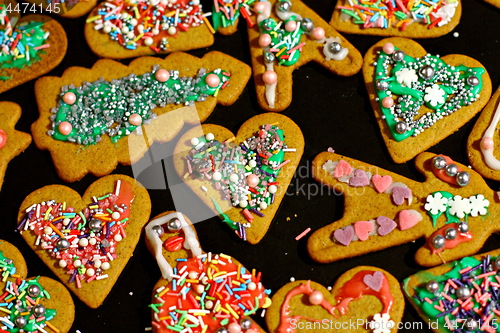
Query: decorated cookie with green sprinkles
[
  {"x": 112, "y": 113},
  {"x": 36, "y": 304}
]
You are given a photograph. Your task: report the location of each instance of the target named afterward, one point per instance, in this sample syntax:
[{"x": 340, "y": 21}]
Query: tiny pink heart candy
[
  {"x": 408, "y": 219},
  {"x": 399, "y": 194},
  {"x": 344, "y": 236},
  {"x": 363, "y": 229},
  {"x": 359, "y": 179},
  {"x": 342, "y": 169},
  {"x": 381, "y": 183},
  {"x": 374, "y": 281},
  {"x": 386, "y": 225}
]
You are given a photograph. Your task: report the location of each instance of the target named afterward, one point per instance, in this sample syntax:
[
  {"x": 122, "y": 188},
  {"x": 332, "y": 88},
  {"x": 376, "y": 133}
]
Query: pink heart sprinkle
[
  {"x": 342, "y": 169},
  {"x": 344, "y": 236},
  {"x": 363, "y": 229},
  {"x": 359, "y": 179},
  {"x": 399, "y": 194},
  {"x": 381, "y": 183},
  {"x": 386, "y": 225},
  {"x": 374, "y": 281},
  {"x": 408, "y": 219}
]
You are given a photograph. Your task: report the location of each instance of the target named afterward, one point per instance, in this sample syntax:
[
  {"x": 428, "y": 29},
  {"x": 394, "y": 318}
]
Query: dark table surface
[{"x": 331, "y": 111}]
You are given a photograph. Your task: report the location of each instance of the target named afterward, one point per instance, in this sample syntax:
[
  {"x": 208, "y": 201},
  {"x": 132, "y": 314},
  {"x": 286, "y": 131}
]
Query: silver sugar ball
[
  {"x": 246, "y": 323},
  {"x": 39, "y": 310},
  {"x": 463, "y": 227},
  {"x": 222, "y": 330},
  {"x": 269, "y": 57},
  {"x": 463, "y": 178},
  {"x": 432, "y": 286},
  {"x": 174, "y": 225},
  {"x": 283, "y": 6},
  {"x": 307, "y": 24},
  {"x": 471, "y": 324},
  {"x": 438, "y": 162},
  {"x": 398, "y": 55},
  {"x": 496, "y": 264},
  {"x": 426, "y": 72},
  {"x": 382, "y": 85},
  {"x": 95, "y": 224},
  {"x": 20, "y": 321},
  {"x": 463, "y": 292},
  {"x": 34, "y": 290},
  {"x": 401, "y": 127},
  {"x": 158, "y": 229},
  {"x": 451, "y": 170},
  {"x": 267, "y": 24},
  {"x": 334, "y": 47},
  {"x": 450, "y": 233},
  {"x": 473, "y": 81},
  {"x": 62, "y": 244},
  {"x": 438, "y": 241}
]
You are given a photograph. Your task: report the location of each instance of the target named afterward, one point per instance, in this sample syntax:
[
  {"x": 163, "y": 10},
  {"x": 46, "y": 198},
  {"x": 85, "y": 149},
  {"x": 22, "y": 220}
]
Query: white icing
[
  {"x": 271, "y": 88},
  {"x": 266, "y": 13},
  {"x": 191, "y": 242},
  {"x": 286, "y": 15},
  {"x": 446, "y": 13},
  {"x": 489, "y": 158},
  {"x": 330, "y": 55}
]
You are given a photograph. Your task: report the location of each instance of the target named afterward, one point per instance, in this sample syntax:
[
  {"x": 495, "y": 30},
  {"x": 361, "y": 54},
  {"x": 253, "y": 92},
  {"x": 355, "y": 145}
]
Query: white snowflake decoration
[
  {"x": 434, "y": 95},
  {"x": 459, "y": 206},
  {"x": 479, "y": 205},
  {"x": 436, "y": 203},
  {"x": 406, "y": 77},
  {"x": 381, "y": 323}
]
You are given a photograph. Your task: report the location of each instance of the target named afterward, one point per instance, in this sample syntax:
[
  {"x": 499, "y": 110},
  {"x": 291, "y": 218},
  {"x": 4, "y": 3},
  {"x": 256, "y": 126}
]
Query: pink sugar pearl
[
  {"x": 234, "y": 328},
  {"x": 318, "y": 33},
  {"x": 290, "y": 26},
  {"x": 65, "y": 128},
  {"x": 264, "y": 40},
  {"x": 162, "y": 75},
  {"x": 3, "y": 138},
  {"x": 316, "y": 297},
  {"x": 387, "y": 102},
  {"x": 252, "y": 180},
  {"x": 487, "y": 143},
  {"x": 212, "y": 80},
  {"x": 388, "y": 48},
  {"x": 69, "y": 98},
  {"x": 135, "y": 119},
  {"x": 270, "y": 77},
  {"x": 259, "y": 7}
]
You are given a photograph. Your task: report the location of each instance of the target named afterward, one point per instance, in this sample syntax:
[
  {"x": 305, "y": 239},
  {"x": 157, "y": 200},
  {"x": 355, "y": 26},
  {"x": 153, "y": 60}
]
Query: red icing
[
  {"x": 462, "y": 237},
  {"x": 441, "y": 173},
  {"x": 3, "y": 138},
  {"x": 212, "y": 287},
  {"x": 353, "y": 289},
  {"x": 173, "y": 244}
]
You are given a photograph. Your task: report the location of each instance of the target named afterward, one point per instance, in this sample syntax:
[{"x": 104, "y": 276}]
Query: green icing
[
  {"x": 6, "y": 267},
  {"x": 104, "y": 107},
  {"x": 223, "y": 16},
  {"x": 452, "y": 83}
]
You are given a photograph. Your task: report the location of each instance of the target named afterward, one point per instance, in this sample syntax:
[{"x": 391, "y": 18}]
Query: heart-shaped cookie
[
  {"x": 242, "y": 178},
  {"x": 187, "y": 30},
  {"x": 456, "y": 220},
  {"x": 286, "y": 35},
  {"x": 443, "y": 96},
  {"x": 216, "y": 291},
  {"x": 46, "y": 304},
  {"x": 86, "y": 241},
  {"x": 12, "y": 142},
  {"x": 362, "y": 299},
  {"x": 73, "y": 160},
  {"x": 42, "y": 58},
  {"x": 483, "y": 155},
  {"x": 458, "y": 295},
  {"x": 396, "y": 19}
]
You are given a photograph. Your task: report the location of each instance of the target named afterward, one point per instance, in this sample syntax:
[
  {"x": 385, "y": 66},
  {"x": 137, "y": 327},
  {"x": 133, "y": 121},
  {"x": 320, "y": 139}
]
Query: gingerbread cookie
[
  {"x": 86, "y": 241},
  {"x": 495, "y": 3},
  {"x": 151, "y": 100},
  {"x": 420, "y": 99},
  {"x": 460, "y": 296},
  {"x": 287, "y": 34},
  {"x": 37, "y": 304},
  {"x": 412, "y": 19},
  {"x": 12, "y": 142},
  {"x": 147, "y": 27},
  {"x": 453, "y": 209},
  {"x": 364, "y": 299},
  {"x": 39, "y": 38},
  {"x": 242, "y": 178},
  {"x": 226, "y": 14},
  {"x": 481, "y": 143},
  {"x": 200, "y": 291}
]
